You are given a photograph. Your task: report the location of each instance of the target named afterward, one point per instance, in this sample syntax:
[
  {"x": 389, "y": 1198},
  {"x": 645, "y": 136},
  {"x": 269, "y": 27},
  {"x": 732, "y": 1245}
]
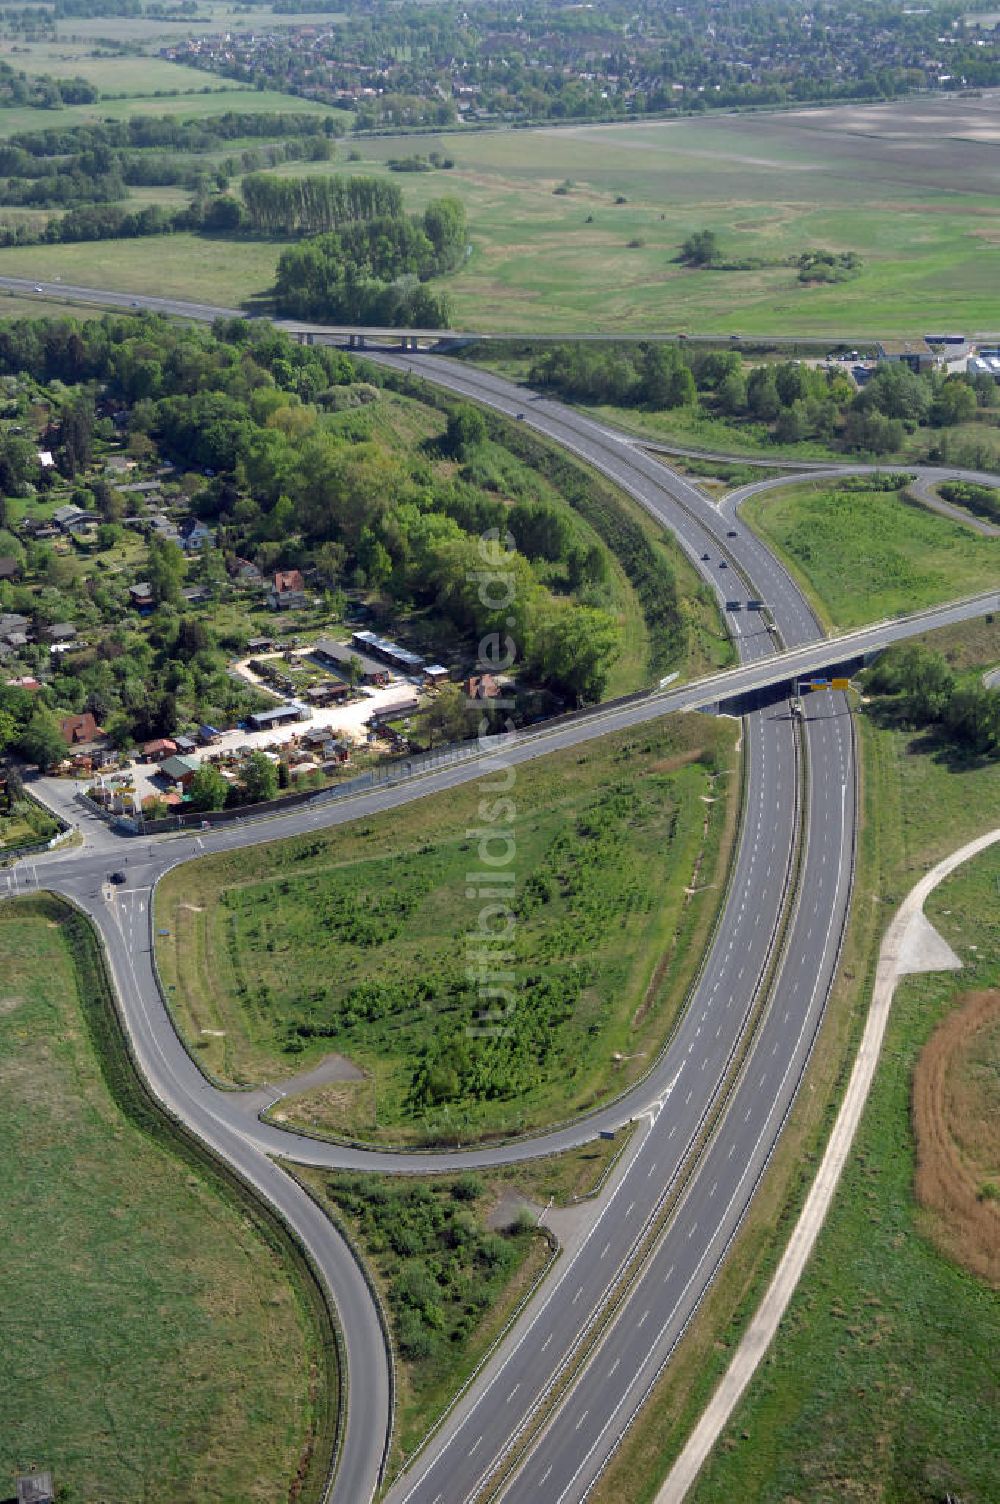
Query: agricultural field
[
  {"x": 354, "y": 941},
  {"x": 210, "y": 101},
  {"x": 834, "y": 1413},
  {"x": 907, "y": 186},
  {"x": 139, "y": 1300},
  {"x": 863, "y": 555}
]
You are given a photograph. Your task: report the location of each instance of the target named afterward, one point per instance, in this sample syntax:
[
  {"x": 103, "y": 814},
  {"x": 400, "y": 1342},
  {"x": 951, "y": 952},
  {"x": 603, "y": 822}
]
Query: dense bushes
[
  {"x": 929, "y": 693},
  {"x": 983, "y": 500},
  {"x": 443, "y": 1268}
]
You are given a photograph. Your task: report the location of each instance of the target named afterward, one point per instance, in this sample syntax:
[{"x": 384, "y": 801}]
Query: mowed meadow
[
  {"x": 141, "y": 1298},
  {"x": 862, "y": 554},
  {"x": 909, "y": 186}
]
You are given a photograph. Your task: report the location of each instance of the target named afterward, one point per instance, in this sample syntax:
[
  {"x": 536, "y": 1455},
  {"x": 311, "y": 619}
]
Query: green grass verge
[
  {"x": 355, "y": 941},
  {"x": 162, "y": 1334},
  {"x": 918, "y": 805},
  {"x": 865, "y": 555}
]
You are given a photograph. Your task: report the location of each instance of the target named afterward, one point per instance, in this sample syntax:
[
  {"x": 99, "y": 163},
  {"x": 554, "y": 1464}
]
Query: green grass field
[
  {"x": 188, "y": 106},
  {"x": 133, "y": 75},
  {"x": 906, "y": 185},
  {"x": 882, "y": 1381},
  {"x": 153, "y": 1344},
  {"x": 866, "y": 555},
  {"x": 355, "y": 941},
  {"x": 919, "y": 804}
]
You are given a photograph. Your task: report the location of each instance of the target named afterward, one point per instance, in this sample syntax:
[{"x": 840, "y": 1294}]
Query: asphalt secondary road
[{"x": 677, "y": 1094}]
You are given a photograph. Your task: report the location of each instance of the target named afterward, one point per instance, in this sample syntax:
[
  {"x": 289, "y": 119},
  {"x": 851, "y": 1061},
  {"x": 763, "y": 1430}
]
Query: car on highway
[
  {"x": 39, "y": 288},
  {"x": 732, "y": 533},
  {"x": 723, "y": 564},
  {"x": 704, "y": 557},
  {"x": 734, "y": 605},
  {"x": 519, "y": 415},
  {"x": 117, "y": 878}
]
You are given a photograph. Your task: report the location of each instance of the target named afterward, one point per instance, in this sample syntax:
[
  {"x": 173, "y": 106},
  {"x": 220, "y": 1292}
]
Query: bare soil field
[{"x": 956, "y": 1120}]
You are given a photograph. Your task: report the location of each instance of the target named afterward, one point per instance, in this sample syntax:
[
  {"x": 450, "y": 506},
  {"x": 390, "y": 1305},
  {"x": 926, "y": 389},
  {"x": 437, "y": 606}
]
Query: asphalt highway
[{"x": 741, "y": 1044}]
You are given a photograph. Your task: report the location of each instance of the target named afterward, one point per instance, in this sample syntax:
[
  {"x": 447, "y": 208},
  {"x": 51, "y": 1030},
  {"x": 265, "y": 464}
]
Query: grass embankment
[
  {"x": 668, "y": 617},
  {"x": 862, "y": 555},
  {"x": 918, "y": 805},
  {"x": 357, "y": 940},
  {"x": 159, "y": 1331}
]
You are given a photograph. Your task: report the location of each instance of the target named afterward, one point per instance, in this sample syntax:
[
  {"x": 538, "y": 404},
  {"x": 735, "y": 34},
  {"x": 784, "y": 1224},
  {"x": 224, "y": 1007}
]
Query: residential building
[
  {"x": 80, "y": 730},
  {"x": 288, "y": 591},
  {"x": 159, "y": 748},
  {"x": 60, "y": 631},
  {"x": 141, "y": 596},
  {"x": 13, "y": 621},
  {"x": 194, "y": 534},
  {"x": 244, "y": 572}
]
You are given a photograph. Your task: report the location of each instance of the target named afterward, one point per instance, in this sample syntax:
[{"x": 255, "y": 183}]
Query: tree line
[
  {"x": 316, "y": 205},
  {"x": 374, "y": 270},
  {"x": 787, "y": 401}
]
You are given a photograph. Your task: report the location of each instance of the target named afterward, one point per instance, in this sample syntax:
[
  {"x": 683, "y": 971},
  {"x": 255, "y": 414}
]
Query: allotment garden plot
[{"x": 364, "y": 942}]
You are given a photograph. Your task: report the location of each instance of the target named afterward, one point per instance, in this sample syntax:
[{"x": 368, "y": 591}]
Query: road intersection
[{"x": 712, "y": 1105}]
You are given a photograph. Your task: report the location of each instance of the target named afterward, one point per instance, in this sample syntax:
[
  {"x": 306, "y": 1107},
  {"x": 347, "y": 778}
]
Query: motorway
[{"x": 740, "y": 1047}]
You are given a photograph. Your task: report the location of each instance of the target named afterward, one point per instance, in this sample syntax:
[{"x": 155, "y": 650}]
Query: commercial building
[
  {"x": 915, "y": 353},
  {"x": 383, "y": 648},
  {"x": 329, "y": 653},
  {"x": 281, "y": 715}
]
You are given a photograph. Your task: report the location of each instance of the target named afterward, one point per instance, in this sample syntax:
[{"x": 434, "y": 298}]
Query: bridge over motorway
[{"x": 710, "y": 1108}]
